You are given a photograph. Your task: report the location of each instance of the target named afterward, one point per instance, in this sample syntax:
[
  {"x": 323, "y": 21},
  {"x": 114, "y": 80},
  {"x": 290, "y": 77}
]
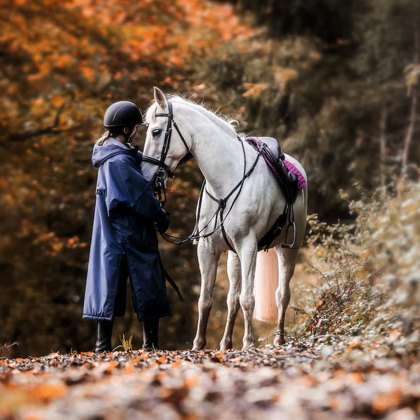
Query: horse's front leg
[
  {"x": 248, "y": 257},
  {"x": 234, "y": 274},
  {"x": 286, "y": 266},
  {"x": 208, "y": 257}
]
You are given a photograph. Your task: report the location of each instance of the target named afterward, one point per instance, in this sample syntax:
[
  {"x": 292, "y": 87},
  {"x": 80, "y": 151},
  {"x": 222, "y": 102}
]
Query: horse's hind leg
[
  {"x": 286, "y": 266},
  {"x": 208, "y": 258},
  {"x": 234, "y": 274}
]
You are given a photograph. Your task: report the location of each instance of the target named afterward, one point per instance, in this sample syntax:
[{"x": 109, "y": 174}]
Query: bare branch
[{"x": 40, "y": 131}]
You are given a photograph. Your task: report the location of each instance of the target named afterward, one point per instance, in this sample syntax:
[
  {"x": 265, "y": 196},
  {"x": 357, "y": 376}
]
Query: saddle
[{"x": 290, "y": 181}]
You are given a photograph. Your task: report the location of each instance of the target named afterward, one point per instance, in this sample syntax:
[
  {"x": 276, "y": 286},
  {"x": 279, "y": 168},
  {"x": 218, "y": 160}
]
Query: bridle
[
  {"x": 164, "y": 171},
  {"x": 163, "y": 168}
]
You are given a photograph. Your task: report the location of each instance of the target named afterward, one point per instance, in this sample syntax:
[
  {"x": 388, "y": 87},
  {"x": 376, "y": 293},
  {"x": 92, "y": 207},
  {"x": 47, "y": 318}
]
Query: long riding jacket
[{"x": 124, "y": 240}]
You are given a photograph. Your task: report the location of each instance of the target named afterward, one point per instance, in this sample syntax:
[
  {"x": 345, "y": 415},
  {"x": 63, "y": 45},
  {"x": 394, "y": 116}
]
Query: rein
[{"x": 197, "y": 234}]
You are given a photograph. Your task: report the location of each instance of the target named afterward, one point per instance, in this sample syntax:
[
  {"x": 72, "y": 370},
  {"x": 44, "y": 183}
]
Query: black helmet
[{"x": 122, "y": 114}]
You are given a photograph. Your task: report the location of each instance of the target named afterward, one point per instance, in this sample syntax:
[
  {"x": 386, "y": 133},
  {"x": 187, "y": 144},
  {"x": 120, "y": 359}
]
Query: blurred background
[{"x": 335, "y": 82}]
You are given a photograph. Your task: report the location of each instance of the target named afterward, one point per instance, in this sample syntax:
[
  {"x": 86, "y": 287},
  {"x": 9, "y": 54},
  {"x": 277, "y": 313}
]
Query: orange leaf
[
  {"x": 357, "y": 377},
  {"x": 88, "y": 73},
  {"x": 111, "y": 366},
  {"x": 162, "y": 359},
  {"x": 356, "y": 343},
  {"x": 57, "y": 100},
  {"x": 254, "y": 89},
  {"x": 48, "y": 391},
  {"x": 387, "y": 401}
]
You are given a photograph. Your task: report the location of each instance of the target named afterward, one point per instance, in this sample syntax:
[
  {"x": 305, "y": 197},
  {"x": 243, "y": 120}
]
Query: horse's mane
[{"x": 221, "y": 121}]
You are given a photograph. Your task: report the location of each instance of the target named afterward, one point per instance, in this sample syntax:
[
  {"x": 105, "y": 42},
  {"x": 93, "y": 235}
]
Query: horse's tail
[
  {"x": 267, "y": 270},
  {"x": 265, "y": 285}
]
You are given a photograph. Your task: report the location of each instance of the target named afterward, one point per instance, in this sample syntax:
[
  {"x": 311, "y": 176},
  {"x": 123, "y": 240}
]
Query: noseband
[{"x": 162, "y": 166}]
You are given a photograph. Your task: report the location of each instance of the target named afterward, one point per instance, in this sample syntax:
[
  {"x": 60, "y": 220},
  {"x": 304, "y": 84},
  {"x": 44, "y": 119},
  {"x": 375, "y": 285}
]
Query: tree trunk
[
  {"x": 410, "y": 131},
  {"x": 382, "y": 144},
  {"x": 413, "y": 113}
]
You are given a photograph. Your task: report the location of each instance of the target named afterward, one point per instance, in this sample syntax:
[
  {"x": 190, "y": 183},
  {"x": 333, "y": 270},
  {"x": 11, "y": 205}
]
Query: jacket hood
[{"x": 112, "y": 147}]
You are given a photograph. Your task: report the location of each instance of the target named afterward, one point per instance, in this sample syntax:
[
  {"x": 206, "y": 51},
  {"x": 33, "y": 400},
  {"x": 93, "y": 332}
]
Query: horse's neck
[{"x": 219, "y": 156}]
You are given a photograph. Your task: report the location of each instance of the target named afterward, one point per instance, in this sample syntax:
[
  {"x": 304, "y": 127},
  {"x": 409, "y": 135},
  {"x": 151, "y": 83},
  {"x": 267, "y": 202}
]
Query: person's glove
[{"x": 162, "y": 224}]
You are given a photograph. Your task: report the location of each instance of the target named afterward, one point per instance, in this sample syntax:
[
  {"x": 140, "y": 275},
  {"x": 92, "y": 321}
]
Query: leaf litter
[{"x": 327, "y": 377}]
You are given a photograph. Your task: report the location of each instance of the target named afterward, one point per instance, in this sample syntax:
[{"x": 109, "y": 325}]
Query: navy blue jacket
[{"x": 124, "y": 240}]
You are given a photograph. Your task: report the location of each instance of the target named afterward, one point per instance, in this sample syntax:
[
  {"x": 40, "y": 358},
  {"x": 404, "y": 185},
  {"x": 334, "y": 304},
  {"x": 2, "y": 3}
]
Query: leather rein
[{"x": 164, "y": 171}]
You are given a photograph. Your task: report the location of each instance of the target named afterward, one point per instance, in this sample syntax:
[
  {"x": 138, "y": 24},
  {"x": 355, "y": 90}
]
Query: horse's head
[{"x": 165, "y": 147}]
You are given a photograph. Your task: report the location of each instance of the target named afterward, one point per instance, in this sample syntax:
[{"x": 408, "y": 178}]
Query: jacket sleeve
[{"x": 128, "y": 190}]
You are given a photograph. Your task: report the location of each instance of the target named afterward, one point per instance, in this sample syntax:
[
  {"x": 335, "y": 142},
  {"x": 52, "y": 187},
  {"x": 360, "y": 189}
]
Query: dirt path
[{"x": 303, "y": 382}]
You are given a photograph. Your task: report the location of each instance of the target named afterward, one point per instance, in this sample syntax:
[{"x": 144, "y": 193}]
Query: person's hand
[{"x": 162, "y": 224}]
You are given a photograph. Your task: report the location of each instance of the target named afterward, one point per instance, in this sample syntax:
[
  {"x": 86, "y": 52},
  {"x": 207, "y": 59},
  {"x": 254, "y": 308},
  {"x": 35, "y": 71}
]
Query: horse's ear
[{"x": 160, "y": 98}]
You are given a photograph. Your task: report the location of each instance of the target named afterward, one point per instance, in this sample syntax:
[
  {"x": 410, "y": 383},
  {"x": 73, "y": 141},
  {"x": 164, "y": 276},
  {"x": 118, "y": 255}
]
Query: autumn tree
[{"x": 61, "y": 65}]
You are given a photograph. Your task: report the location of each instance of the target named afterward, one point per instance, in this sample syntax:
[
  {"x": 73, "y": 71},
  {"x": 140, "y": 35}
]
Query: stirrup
[{"x": 291, "y": 245}]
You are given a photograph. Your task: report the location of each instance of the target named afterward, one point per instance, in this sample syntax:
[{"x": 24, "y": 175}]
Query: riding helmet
[{"x": 122, "y": 114}]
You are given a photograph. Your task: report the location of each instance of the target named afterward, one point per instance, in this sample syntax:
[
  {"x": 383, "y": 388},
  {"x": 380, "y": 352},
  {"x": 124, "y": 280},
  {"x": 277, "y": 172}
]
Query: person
[{"x": 124, "y": 241}]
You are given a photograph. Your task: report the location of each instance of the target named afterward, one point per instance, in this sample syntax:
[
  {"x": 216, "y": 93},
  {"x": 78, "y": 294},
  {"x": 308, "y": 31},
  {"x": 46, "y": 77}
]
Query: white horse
[{"x": 249, "y": 212}]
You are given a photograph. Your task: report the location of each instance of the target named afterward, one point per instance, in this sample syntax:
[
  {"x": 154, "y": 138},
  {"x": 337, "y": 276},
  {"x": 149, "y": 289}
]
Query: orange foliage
[
  {"x": 65, "y": 48},
  {"x": 59, "y": 56},
  {"x": 61, "y": 64},
  {"x": 254, "y": 89},
  {"x": 46, "y": 392}
]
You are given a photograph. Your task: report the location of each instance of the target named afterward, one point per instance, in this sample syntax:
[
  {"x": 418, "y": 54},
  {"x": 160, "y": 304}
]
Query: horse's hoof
[
  {"x": 224, "y": 349},
  {"x": 247, "y": 347},
  {"x": 198, "y": 346},
  {"x": 225, "y": 345},
  {"x": 279, "y": 340}
]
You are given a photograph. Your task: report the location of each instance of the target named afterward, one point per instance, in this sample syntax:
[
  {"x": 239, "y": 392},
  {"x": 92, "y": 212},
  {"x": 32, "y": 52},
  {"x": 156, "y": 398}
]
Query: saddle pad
[
  {"x": 274, "y": 148},
  {"x": 292, "y": 168}
]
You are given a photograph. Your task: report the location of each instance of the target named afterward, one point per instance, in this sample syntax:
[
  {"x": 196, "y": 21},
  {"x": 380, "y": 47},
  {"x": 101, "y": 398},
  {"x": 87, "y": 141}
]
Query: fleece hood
[{"x": 111, "y": 148}]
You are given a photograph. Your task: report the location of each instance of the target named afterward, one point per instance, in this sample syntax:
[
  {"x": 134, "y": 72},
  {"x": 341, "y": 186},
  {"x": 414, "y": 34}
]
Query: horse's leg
[
  {"x": 286, "y": 267},
  {"x": 248, "y": 257},
  {"x": 234, "y": 274},
  {"x": 208, "y": 258}
]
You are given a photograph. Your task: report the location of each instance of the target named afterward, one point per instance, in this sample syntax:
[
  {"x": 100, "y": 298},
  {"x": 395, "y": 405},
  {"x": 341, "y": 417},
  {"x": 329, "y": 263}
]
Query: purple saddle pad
[
  {"x": 292, "y": 168},
  {"x": 274, "y": 148}
]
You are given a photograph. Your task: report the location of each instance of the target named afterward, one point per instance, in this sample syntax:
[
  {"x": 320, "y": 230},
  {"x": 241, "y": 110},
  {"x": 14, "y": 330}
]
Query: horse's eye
[{"x": 156, "y": 132}]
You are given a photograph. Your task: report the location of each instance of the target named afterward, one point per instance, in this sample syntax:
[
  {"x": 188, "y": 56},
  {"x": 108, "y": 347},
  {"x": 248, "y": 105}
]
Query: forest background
[{"x": 335, "y": 82}]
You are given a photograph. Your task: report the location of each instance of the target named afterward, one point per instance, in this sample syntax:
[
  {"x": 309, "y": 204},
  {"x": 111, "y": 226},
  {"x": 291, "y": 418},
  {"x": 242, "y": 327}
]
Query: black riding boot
[
  {"x": 103, "y": 336},
  {"x": 150, "y": 334}
]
